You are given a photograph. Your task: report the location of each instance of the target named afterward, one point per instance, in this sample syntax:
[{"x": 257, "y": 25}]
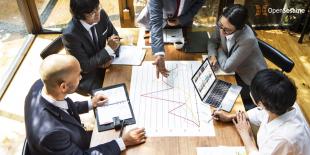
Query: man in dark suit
[
  {"x": 52, "y": 121},
  {"x": 85, "y": 38}
]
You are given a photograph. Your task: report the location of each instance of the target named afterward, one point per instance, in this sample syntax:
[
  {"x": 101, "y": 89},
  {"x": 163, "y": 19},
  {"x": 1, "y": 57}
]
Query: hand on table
[{"x": 160, "y": 66}]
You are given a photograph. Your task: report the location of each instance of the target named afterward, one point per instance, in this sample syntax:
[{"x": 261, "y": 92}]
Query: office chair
[
  {"x": 54, "y": 47},
  {"x": 26, "y": 150},
  {"x": 276, "y": 57}
]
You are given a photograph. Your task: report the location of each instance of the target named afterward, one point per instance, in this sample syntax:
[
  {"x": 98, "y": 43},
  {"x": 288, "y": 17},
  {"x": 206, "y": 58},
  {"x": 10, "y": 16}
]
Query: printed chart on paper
[{"x": 169, "y": 106}]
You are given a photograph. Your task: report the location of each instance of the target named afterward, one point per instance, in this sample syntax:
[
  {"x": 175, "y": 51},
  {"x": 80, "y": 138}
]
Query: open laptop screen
[{"x": 203, "y": 79}]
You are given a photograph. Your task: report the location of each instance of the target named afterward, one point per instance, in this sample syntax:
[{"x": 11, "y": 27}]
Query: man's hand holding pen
[
  {"x": 114, "y": 41},
  {"x": 99, "y": 100}
]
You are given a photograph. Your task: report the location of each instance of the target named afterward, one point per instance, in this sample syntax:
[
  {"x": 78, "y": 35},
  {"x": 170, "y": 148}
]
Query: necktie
[
  {"x": 177, "y": 9},
  {"x": 94, "y": 34}
]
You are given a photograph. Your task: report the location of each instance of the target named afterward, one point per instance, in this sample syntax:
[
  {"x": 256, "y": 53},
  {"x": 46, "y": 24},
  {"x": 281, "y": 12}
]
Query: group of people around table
[{"x": 53, "y": 125}]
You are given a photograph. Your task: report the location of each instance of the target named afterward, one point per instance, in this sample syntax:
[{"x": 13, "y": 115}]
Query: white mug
[{"x": 178, "y": 44}]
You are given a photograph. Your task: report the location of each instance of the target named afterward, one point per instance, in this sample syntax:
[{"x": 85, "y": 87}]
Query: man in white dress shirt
[{"x": 282, "y": 129}]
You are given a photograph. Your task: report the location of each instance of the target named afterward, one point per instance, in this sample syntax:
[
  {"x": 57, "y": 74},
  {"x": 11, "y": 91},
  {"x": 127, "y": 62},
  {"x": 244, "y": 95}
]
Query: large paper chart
[{"x": 169, "y": 106}]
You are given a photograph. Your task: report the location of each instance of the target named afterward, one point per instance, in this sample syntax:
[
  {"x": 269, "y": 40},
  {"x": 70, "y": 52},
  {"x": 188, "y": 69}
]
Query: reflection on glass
[{"x": 12, "y": 36}]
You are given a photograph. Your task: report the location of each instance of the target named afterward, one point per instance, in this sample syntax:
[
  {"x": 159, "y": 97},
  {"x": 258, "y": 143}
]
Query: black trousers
[{"x": 245, "y": 94}]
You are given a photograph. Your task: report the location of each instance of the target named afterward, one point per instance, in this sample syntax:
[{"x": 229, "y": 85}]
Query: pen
[
  {"x": 217, "y": 109},
  {"x": 122, "y": 128}
]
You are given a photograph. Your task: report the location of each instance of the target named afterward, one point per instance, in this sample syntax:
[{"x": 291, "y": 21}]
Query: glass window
[
  {"x": 12, "y": 37},
  {"x": 55, "y": 14}
]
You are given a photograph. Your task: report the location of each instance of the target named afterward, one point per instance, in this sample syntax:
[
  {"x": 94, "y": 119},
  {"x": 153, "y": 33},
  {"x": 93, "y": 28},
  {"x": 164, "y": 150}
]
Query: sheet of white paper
[
  {"x": 117, "y": 105},
  {"x": 169, "y": 106},
  {"x": 221, "y": 150},
  {"x": 129, "y": 55},
  {"x": 219, "y": 71},
  {"x": 172, "y": 35}
]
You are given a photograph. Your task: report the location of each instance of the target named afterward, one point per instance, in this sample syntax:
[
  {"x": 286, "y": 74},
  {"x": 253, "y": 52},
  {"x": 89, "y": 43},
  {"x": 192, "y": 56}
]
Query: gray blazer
[
  {"x": 158, "y": 11},
  {"x": 245, "y": 57}
]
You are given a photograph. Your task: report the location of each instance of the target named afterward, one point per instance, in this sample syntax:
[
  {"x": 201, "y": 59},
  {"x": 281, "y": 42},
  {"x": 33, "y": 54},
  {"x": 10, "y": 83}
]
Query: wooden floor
[{"x": 300, "y": 54}]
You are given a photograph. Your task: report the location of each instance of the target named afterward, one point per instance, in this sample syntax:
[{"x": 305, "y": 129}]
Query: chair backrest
[
  {"x": 26, "y": 150},
  {"x": 276, "y": 57},
  {"x": 54, "y": 47}
]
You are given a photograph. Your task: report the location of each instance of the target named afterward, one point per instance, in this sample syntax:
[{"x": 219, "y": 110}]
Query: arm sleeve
[
  {"x": 156, "y": 24},
  {"x": 214, "y": 42},
  {"x": 186, "y": 18},
  {"x": 88, "y": 63},
  {"x": 59, "y": 142},
  {"x": 256, "y": 116},
  {"x": 229, "y": 64},
  {"x": 275, "y": 146},
  {"x": 111, "y": 28}
]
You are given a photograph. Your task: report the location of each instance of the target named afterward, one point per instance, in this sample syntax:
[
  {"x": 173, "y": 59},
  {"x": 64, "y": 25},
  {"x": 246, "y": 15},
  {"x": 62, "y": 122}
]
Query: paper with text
[{"x": 117, "y": 105}]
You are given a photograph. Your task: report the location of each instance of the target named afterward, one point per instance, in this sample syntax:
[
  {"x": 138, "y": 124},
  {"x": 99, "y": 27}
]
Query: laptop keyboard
[{"x": 218, "y": 93}]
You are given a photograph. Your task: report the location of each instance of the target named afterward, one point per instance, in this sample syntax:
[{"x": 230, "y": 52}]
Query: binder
[{"x": 116, "y": 116}]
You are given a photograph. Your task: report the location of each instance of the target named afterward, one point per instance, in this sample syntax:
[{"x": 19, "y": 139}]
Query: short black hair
[
  {"x": 79, "y": 8},
  {"x": 237, "y": 15},
  {"x": 274, "y": 89}
]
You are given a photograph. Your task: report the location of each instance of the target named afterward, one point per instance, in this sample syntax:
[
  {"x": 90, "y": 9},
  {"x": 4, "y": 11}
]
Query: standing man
[
  {"x": 86, "y": 37},
  {"x": 53, "y": 125},
  {"x": 166, "y": 13}
]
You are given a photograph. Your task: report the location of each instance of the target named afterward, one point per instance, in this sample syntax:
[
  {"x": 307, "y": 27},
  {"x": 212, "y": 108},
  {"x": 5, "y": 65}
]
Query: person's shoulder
[
  {"x": 36, "y": 87},
  {"x": 71, "y": 27}
]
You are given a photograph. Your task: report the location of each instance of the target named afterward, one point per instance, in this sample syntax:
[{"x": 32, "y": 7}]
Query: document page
[{"x": 117, "y": 105}]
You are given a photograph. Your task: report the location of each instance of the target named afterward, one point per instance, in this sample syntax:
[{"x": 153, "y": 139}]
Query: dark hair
[
  {"x": 237, "y": 15},
  {"x": 274, "y": 89},
  {"x": 80, "y": 7}
]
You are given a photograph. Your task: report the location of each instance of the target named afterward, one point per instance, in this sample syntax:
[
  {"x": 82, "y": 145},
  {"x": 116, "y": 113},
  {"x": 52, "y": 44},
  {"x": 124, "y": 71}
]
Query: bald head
[{"x": 56, "y": 68}]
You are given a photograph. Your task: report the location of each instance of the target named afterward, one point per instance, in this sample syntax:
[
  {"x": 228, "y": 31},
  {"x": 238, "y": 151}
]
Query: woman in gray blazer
[{"x": 234, "y": 47}]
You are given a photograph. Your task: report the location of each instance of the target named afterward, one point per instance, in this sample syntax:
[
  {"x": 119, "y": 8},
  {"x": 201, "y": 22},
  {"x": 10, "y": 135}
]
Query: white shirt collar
[
  {"x": 229, "y": 37},
  {"x": 86, "y": 25},
  {"x": 60, "y": 104}
]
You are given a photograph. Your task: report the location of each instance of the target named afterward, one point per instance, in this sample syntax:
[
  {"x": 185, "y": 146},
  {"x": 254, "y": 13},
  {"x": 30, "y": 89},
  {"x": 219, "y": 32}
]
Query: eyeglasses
[
  {"x": 96, "y": 10},
  {"x": 227, "y": 31}
]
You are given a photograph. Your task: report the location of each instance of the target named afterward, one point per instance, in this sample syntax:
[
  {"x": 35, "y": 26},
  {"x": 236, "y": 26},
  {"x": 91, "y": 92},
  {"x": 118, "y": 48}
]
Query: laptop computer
[{"x": 213, "y": 91}]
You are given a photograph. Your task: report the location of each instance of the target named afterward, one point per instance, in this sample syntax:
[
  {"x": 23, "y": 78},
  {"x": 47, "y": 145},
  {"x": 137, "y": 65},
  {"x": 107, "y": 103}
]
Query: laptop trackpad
[{"x": 230, "y": 98}]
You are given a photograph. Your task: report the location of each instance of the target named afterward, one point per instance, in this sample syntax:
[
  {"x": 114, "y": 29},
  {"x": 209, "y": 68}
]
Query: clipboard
[{"x": 113, "y": 92}]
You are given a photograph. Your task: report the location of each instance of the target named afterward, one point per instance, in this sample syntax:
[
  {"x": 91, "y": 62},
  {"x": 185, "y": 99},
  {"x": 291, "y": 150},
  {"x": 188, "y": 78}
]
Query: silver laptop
[{"x": 213, "y": 91}]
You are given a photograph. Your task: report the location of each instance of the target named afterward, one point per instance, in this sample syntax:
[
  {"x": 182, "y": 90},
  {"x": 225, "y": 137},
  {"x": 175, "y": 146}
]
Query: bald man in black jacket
[{"x": 53, "y": 125}]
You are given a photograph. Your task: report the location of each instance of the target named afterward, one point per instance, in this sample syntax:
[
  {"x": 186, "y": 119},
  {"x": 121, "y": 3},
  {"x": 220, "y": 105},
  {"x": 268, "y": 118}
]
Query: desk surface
[{"x": 226, "y": 133}]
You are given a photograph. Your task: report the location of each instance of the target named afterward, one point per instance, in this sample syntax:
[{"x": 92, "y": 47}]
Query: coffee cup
[{"x": 178, "y": 45}]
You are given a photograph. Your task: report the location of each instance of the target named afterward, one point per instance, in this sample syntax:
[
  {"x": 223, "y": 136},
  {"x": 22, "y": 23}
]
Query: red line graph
[{"x": 170, "y": 111}]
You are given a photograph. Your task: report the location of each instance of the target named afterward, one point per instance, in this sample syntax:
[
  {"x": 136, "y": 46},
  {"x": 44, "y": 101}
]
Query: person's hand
[
  {"x": 220, "y": 115},
  {"x": 160, "y": 66},
  {"x": 212, "y": 60},
  {"x": 173, "y": 22},
  {"x": 134, "y": 136},
  {"x": 107, "y": 64},
  {"x": 114, "y": 42},
  {"x": 242, "y": 125},
  {"x": 99, "y": 100}
]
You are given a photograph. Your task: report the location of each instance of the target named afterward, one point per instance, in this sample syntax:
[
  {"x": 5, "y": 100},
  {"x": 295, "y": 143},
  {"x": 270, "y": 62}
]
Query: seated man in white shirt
[
  {"x": 282, "y": 130},
  {"x": 53, "y": 125}
]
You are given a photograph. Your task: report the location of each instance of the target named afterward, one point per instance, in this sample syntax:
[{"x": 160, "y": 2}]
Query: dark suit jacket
[
  {"x": 79, "y": 43},
  {"x": 52, "y": 131}
]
